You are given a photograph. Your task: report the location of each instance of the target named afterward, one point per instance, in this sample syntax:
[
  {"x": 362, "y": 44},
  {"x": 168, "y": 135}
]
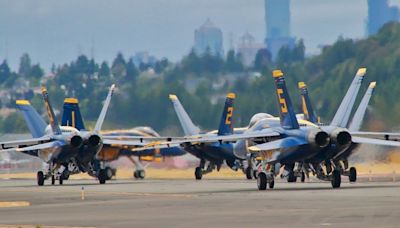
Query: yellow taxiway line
[{"x": 14, "y": 204}]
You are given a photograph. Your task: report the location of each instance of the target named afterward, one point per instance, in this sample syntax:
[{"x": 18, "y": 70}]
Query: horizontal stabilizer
[
  {"x": 378, "y": 142},
  {"x": 43, "y": 146}
]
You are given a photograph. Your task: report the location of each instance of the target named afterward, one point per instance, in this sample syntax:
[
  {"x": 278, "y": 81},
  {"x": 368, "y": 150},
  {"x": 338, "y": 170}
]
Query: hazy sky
[{"x": 55, "y": 31}]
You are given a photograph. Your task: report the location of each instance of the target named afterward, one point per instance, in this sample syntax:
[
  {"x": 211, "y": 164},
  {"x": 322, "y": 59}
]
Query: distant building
[
  {"x": 379, "y": 13},
  {"x": 277, "y": 21},
  {"x": 248, "y": 49},
  {"x": 143, "y": 58},
  {"x": 208, "y": 37}
]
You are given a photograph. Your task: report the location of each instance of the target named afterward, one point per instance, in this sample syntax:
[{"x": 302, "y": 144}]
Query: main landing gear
[
  {"x": 265, "y": 179},
  {"x": 199, "y": 171},
  {"x": 105, "y": 174},
  {"x": 139, "y": 172}
]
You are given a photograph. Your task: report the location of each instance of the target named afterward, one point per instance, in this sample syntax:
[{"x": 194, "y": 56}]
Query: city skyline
[{"x": 50, "y": 33}]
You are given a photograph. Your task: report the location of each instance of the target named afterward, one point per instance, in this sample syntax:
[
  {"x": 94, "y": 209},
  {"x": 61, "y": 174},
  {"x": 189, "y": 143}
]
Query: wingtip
[
  {"x": 112, "y": 87},
  {"x": 361, "y": 72}
]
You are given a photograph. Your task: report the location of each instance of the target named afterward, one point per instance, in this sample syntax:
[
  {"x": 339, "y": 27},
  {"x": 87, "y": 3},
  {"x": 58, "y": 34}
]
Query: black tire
[
  {"x": 249, "y": 173},
  {"x": 108, "y": 172},
  {"x": 291, "y": 177},
  {"x": 135, "y": 174},
  {"x": 336, "y": 179},
  {"x": 303, "y": 177},
  {"x": 40, "y": 178},
  {"x": 61, "y": 180},
  {"x": 53, "y": 180},
  {"x": 102, "y": 176},
  {"x": 262, "y": 181},
  {"x": 198, "y": 173},
  {"x": 271, "y": 184},
  {"x": 141, "y": 174},
  {"x": 352, "y": 175}
]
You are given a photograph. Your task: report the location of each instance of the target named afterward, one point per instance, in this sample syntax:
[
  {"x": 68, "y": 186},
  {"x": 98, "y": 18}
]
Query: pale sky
[{"x": 57, "y": 31}]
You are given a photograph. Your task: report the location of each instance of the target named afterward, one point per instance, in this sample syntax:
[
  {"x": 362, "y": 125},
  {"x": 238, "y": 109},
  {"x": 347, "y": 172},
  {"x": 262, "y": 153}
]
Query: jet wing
[
  {"x": 211, "y": 139},
  {"x": 141, "y": 138},
  {"x": 42, "y": 146},
  {"x": 24, "y": 142},
  {"x": 121, "y": 143},
  {"x": 379, "y": 142},
  {"x": 375, "y": 134}
]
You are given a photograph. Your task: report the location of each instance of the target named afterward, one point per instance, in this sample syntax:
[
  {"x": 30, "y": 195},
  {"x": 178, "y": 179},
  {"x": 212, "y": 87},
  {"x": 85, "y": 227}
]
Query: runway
[{"x": 205, "y": 203}]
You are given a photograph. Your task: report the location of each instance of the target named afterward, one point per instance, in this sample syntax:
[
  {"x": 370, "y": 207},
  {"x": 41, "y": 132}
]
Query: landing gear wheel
[
  {"x": 53, "y": 180},
  {"x": 249, "y": 173},
  {"x": 102, "y": 176},
  {"x": 255, "y": 174},
  {"x": 291, "y": 177},
  {"x": 109, "y": 173},
  {"x": 61, "y": 180},
  {"x": 303, "y": 177},
  {"x": 40, "y": 178},
  {"x": 336, "y": 179},
  {"x": 198, "y": 173},
  {"x": 271, "y": 184},
  {"x": 262, "y": 181},
  {"x": 352, "y": 174},
  {"x": 139, "y": 174}
]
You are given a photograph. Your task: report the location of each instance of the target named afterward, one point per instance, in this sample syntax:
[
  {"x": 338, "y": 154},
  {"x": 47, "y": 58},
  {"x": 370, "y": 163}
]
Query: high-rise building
[
  {"x": 277, "y": 21},
  {"x": 208, "y": 38},
  {"x": 379, "y": 13},
  {"x": 248, "y": 49}
]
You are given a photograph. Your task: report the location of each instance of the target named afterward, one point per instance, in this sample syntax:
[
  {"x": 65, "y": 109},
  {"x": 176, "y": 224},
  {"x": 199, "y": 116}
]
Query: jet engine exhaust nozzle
[
  {"x": 76, "y": 141},
  {"x": 94, "y": 140},
  {"x": 319, "y": 138},
  {"x": 341, "y": 137}
]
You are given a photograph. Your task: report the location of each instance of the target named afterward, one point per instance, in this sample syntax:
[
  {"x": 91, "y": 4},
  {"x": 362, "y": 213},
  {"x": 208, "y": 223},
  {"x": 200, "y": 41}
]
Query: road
[{"x": 206, "y": 203}]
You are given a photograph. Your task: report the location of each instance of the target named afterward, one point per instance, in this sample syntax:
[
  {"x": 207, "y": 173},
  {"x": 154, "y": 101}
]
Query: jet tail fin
[
  {"x": 358, "y": 117},
  {"x": 35, "y": 122},
  {"x": 103, "y": 112},
  {"x": 52, "y": 118},
  {"x": 72, "y": 114},
  {"x": 342, "y": 115},
  {"x": 287, "y": 115},
  {"x": 306, "y": 106},
  {"x": 188, "y": 127},
  {"x": 225, "y": 126}
]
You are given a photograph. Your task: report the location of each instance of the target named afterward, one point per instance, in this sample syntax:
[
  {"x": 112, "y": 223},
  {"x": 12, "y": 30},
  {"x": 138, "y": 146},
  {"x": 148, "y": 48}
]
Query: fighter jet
[
  {"x": 61, "y": 147},
  {"x": 212, "y": 155},
  {"x": 343, "y": 140},
  {"x": 72, "y": 117}
]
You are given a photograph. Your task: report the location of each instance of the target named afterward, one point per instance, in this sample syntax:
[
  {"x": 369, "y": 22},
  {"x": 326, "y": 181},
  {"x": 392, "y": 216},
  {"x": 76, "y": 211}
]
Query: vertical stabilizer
[
  {"x": 50, "y": 113},
  {"x": 306, "y": 106},
  {"x": 225, "y": 126},
  {"x": 72, "y": 115},
  {"x": 342, "y": 115},
  {"x": 187, "y": 125},
  {"x": 103, "y": 112},
  {"x": 287, "y": 115},
  {"x": 358, "y": 117},
  {"x": 35, "y": 122}
]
